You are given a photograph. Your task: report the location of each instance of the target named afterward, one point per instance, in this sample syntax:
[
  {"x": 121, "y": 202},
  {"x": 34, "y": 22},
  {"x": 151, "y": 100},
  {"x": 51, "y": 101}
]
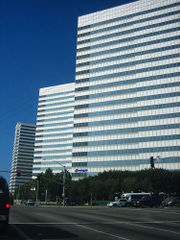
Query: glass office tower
[
  {"x": 23, "y": 151},
  {"x": 127, "y": 88},
  {"x": 54, "y": 131}
]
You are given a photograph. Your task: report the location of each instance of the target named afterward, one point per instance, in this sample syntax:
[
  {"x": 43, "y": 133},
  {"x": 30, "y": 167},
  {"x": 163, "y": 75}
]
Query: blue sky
[{"x": 37, "y": 49}]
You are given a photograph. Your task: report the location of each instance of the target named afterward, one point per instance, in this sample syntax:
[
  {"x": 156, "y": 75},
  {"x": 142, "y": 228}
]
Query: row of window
[
  {"x": 54, "y": 114},
  {"x": 44, "y": 161},
  {"x": 22, "y": 138},
  {"x": 126, "y": 64},
  {"x": 126, "y": 140},
  {"x": 44, "y": 157},
  {"x": 128, "y": 39},
  {"x": 128, "y": 110},
  {"x": 130, "y": 16},
  {"x": 127, "y": 151},
  {"x": 127, "y": 48},
  {"x": 79, "y": 164},
  {"x": 26, "y": 146},
  {"x": 54, "y": 135},
  {"x": 79, "y": 174},
  {"x": 55, "y": 119},
  {"x": 54, "y": 109},
  {"x": 53, "y": 168},
  {"x": 54, "y": 129},
  {"x": 127, "y": 24},
  {"x": 53, "y": 151},
  {"x": 54, "y": 145},
  {"x": 55, "y": 124},
  {"x": 129, "y": 100},
  {"x": 129, "y": 56},
  {"x": 54, "y": 139},
  {"x": 125, "y": 91},
  {"x": 129, "y": 82},
  {"x": 127, "y": 73},
  {"x": 124, "y": 162},
  {"x": 28, "y": 155},
  {"x": 125, "y": 82},
  {"x": 55, "y": 99},
  {"x": 55, "y": 94},
  {"x": 127, "y": 130},
  {"x": 30, "y": 142},
  {"x": 55, "y": 104},
  {"x": 126, "y": 120}
]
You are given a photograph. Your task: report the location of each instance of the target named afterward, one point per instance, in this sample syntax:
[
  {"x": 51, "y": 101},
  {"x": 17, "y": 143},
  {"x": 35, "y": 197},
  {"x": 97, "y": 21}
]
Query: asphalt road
[{"x": 93, "y": 223}]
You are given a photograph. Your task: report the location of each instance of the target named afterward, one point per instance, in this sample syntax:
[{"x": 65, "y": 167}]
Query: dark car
[
  {"x": 30, "y": 202},
  {"x": 171, "y": 201},
  {"x": 5, "y": 202},
  {"x": 149, "y": 201}
]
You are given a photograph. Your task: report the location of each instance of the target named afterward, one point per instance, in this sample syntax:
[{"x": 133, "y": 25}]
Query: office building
[
  {"x": 23, "y": 151},
  {"x": 54, "y": 129},
  {"x": 127, "y": 88}
]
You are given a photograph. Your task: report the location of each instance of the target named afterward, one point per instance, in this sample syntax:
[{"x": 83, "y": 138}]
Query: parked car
[
  {"x": 149, "y": 201},
  {"x": 5, "y": 203},
  {"x": 119, "y": 203},
  {"x": 30, "y": 202},
  {"x": 113, "y": 204},
  {"x": 123, "y": 202},
  {"x": 171, "y": 201}
]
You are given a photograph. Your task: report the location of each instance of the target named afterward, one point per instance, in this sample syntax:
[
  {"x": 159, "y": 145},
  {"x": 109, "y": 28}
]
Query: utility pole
[
  {"x": 152, "y": 162},
  {"x": 64, "y": 185},
  {"x": 152, "y": 159},
  {"x": 37, "y": 188}
]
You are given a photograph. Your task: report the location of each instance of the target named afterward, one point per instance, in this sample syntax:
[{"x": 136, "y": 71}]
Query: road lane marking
[
  {"x": 85, "y": 225},
  {"x": 159, "y": 229},
  {"x": 26, "y": 237},
  {"x": 91, "y": 223},
  {"x": 102, "y": 232},
  {"x": 21, "y": 233}
]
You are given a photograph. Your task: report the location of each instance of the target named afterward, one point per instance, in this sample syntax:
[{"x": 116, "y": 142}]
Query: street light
[
  {"x": 152, "y": 159},
  {"x": 64, "y": 182}
]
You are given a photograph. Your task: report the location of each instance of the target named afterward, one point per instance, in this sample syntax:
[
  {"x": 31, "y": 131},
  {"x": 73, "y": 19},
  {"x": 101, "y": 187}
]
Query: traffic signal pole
[
  {"x": 152, "y": 159},
  {"x": 64, "y": 185},
  {"x": 37, "y": 189}
]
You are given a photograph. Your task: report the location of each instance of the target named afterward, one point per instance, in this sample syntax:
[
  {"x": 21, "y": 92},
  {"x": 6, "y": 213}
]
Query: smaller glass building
[
  {"x": 22, "y": 155},
  {"x": 54, "y": 131}
]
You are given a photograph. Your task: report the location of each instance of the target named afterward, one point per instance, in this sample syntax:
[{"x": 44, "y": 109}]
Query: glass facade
[
  {"x": 54, "y": 131},
  {"x": 23, "y": 151},
  {"x": 127, "y": 88}
]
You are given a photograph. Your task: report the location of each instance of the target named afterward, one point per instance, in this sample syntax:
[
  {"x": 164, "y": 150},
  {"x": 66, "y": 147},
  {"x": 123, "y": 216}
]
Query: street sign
[{"x": 81, "y": 170}]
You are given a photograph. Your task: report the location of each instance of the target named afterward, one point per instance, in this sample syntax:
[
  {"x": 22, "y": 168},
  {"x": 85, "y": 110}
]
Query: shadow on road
[{"x": 39, "y": 231}]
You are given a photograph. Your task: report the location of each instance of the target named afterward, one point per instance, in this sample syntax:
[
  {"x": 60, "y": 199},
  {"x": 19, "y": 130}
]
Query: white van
[{"x": 130, "y": 197}]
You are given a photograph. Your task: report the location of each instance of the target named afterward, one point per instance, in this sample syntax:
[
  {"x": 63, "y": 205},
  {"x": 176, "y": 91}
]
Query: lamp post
[
  {"x": 152, "y": 159},
  {"x": 64, "y": 183}
]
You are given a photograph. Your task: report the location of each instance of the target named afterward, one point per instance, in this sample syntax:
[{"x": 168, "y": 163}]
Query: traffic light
[
  {"x": 38, "y": 176},
  {"x": 18, "y": 173},
  {"x": 152, "y": 162},
  {"x": 65, "y": 188}
]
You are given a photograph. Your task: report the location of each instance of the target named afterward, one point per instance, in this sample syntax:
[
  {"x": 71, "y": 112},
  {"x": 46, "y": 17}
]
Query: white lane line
[
  {"x": 21, "y": 233},
  {"x": 26, "y": 237},
  {"x": 159, "y": 229},
  {"x": 158, "y": 210},
  {"x": 102, "y": 232},
  {"x": 91, "y": 223}
]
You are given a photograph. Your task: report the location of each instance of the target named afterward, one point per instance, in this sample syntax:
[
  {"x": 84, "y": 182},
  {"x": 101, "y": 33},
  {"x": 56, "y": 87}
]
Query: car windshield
[{"x": 3, "y": 186}]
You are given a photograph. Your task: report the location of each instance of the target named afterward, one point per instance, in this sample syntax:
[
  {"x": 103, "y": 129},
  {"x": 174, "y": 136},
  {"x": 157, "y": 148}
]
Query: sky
[{"x": 37, "y": 49}]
